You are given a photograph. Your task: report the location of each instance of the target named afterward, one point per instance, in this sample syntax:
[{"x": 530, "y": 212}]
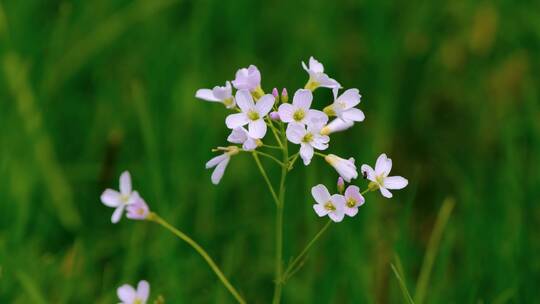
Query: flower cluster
[
  {"x": 302, "y": 125},
  {"x": 125, "y": 199}
]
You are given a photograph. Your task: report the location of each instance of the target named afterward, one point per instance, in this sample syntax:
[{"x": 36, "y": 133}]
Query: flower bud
[
  {"x": 340, "y": 185},
  {"x": 274, "y": 115},
  {"x": 275, "y": 93},
  {"x": 284, "y": 96},
  {"x": 336, "y": 125}
]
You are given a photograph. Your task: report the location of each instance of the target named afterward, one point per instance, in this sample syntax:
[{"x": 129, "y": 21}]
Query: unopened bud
[
  {"x": 340, "y": 185},
  {"x": 274, "y": 115},
  {"x": 275, "y": 93},
  {"x": 284, "y": 95}
]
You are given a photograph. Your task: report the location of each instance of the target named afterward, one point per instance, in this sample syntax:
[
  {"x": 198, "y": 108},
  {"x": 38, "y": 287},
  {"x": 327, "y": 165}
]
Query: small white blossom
[
  {"x": 308, "y": 138},
  {"x": 120, "y": 199},
  {"x": 380, "y": 179},
  {"x": 247, "y": 79},
  {"x": 241, "y": 136},
  {"x": 252, "y": 114},
  {"x": 344, "y": 167},
  {"x": 336, "y": 125},
  {"x": 317, "y": 77},
  {"x": 331, "y": 205},
  {"x": 218, "y": 94},
  {"x": 221, "y": 162},
  {"x": 344, "y": 106},
  {"x": 128, "y": 295},
  {"x": 299, "y": 111},
  {"x": 353, "y": 200}
]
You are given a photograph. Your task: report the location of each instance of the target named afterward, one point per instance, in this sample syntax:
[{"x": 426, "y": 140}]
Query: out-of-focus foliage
[{"x": 91, "y": 88}]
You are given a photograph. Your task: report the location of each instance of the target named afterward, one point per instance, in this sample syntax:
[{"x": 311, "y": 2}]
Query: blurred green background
[{"x": 91, "y": 88}]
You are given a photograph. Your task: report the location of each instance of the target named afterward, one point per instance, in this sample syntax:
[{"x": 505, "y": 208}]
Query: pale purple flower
[
  {"x": 128, "y": 295},
  {"x": 344, "y": 106},
  {"x": 353, "y": 200},
  {"x": 340, "y": 185},
  {"x": 380, "y": 179},
  {"x": 299, "y": 111},
  {"x": 336, "y": 125},
  {"x": 247, "y": 79},
  {"x": 138, "y": 210},
  {"x": 252, "y": 114},
  {"x": 344, "y": 167},
  {"x": 221, "y": 162},
  {"x": 308, "y": 138},
  {"x": 218, "y": 94},
  {"x": 241, "y": 136},
  {"x": 317, "y": 77},
  {"x": 120, "y": 199},
  {"x": 331, "y": 205}
]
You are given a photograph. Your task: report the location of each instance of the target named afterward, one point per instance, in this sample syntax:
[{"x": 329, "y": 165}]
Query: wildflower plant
[{"x": 268, "y": 126}]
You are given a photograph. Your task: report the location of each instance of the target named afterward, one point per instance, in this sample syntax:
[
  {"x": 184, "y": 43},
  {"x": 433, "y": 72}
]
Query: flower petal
[
  {"x": 117, "y": 214},
  {"x": 244, "y": 100},
  {"x": 257, "y": 128},
  {"x": 306, "y": 152},
  {"x": 264, "y": 104},
  {"x": 238, "y": 136},
  {"x": 220, "y": 170},
  {"x": 236, "y": 120},
  {"x": 337, "y": 216},
  {"x": 286, "y": 111},
  {"x": 350, "y": 98},
  {"x": 216, "y": 160},
  {"x": 315, "y": 65},
  {"x": 350, "y": 211},
  {"x": 385, "y": 192},
  {"x": 295, "y": 132},
  {"x": 383, "y": 165},
  {"x": 320, "y": 194},
  {"x": 302, "y": 99},
  {"x": 353, "y": 114},
  {"x": 320, "y": 210},
  {"x": 370, "y": 173},
  {"x": 111, "y": 198},
  {"x": 206, "y": 94},
  {"x": 316, "y": 117},
  {"x": 395, "y": 182},
  {"x": 126, "y": 293},
  {"x": 143, "y": 290},
  {"x": 250, "y": 144},
  {"x": 125, "y": 183}
]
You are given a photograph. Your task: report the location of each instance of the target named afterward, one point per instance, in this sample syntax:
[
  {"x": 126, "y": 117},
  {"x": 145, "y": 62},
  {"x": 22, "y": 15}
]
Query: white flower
[
  {"x": 317, "y": 77},
  {"x": 336, "y": 125},
  {"x": 241, "y": 136},
  {"x": 344, "y": 167},
  {"x": 344, "y": 106},
  {"x": 380, "y": 179},
  {"x": 251, "y": 113},
  {"x": 221, "y": 162},
  {"x": 119, "y": 200},
  {"x": 218, "y": 94},
  {"x": 331, "y": 205},
  {"x": 299, "y": 111},
  {"x": 308, "y": 139},
  {"x": 247, "y": 79},
  {"x": 128, "y": 295},
  {"x": 353, "y": 200}
]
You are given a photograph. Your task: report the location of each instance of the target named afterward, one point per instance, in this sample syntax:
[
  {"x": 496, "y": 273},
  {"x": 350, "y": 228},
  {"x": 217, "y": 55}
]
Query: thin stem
[
  {"x": 266, "y": 179},
  {"x": 274, "y": 131},
  {"x": 271, "y": 147},
  {"x": 269, "y": 156},
  {"x": 157, "y": 219},
  {"x": 294, "y": 158},
  {"x": 279, "y": 222},
  {"x": 288, "y": 273},
  {"x": 320, "y": 154}
]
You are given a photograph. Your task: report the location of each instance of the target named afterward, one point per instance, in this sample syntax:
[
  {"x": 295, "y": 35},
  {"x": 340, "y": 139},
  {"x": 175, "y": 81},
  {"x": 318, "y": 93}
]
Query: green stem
[
  {"x": 270, "y": 157},
  {"x": 292, "y": 267},
  {"x": 266, "y": 179},
  {"x": 271, "y": 147},
  {"x": 157, "y": 219},
  {"x": 320, "y": 154},
  {"x": 275, "y": 132}
]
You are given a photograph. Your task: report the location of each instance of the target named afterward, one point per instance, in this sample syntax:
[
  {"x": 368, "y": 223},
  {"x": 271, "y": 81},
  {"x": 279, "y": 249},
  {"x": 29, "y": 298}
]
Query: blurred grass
[{"x": 88, "y": 89}]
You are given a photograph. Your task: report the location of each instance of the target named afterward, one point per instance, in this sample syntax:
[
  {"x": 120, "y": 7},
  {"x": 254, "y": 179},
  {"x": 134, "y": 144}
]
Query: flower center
[
  {"x": 380, "y": 179},
  {"x": 307, "y": 138},
  {"x": 252, "y": 115},
  {"x": 124, "y": 198},
  {"x": 329, "y": 206},
  {"x": 299, "y": 115},
  {"x": 228, "y": 102},
  {"x": 351, "y": 202},
  {"x": 329, "y": 110},
  {"x": 140, "y": 211},
  {"x": 138, "y": 301},
  {"x": 342, "y": 105}
]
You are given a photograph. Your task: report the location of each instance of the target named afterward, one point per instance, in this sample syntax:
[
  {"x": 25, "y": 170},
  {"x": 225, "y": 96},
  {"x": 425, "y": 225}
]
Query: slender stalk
[
  {"x": 271, "y": 147},
  {"x": 278, "y": 282},
  {"x": 157, "y": 219},
  {"x": 291, "y": 268},
  {"x": 275, "y": 132},
  {"x": 266, "y": 179},
  {"x": 270, "y": 157},
  {"x": 320, "y": 154}
]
